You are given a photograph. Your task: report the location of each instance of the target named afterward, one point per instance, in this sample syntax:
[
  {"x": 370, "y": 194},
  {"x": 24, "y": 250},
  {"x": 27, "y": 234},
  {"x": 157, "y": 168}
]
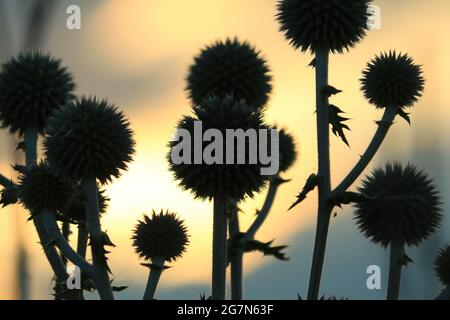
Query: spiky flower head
[
  {"x": 230, "y": 67},
  {"x": 221, "y": 178},
  {"x": 399, "y": 203},
  {"x": 442, "y": 266},
  {"x": 336, "y": 25},
  {"x": 39, "y": 188},
  {"x": 74, "y": 210},
  {"x": 89, "y": 138},
  {"x": 32, "y": 86},
  {"x": 392, "y": 80},
  {"x": 162, "y": 236},
  {"x": 288, "y": 150}
]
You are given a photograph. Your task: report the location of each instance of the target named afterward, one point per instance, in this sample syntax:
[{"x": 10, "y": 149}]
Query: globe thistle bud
[
  {"x": 336, "y": 25},
  {"x": 288, "y": 151},
  {"x": 162, "y": 236},
  {"x": 32, "y": 87},
  {"x": 442, "y": 266},
  {"x": 39, "y": 188},
  {"x": 230, "y": 67},
  {"x": 74, "y": 209},
  {"x": 399, "y": 203},
  {"x": 207, "y": 181},
  {"x": 392, "y": 80},
  {"x": 89, "y": 138}
]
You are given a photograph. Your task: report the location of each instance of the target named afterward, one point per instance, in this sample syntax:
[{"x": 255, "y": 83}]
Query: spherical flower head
[
  {"x": 89, "y": 138},
  {"x": 220, "y": 179},
  {"x": 32, "y": 87},
  {"x": 230, "y": 67},
  {"x": 39, "y": 188},
  {"x": 336, "y": 25},
  {"x": 400, "y": 203},
  {"x": 288, "y": 150},
  {"x": 392, "y": 80},
  {"x": 74, "y": 210},
  {"x": 161, "y": 236},
  {"x": 442, "y": 266}
]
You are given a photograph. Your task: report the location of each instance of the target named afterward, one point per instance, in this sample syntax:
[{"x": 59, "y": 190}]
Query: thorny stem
[
  {"x": 237, "y": 261},
  {"x": 82, "y": 240},
  {"x": 101, "y": 276},
  {"x": 52, "y": 255},
  {"x": 4, "y": 181},
  {"x": 156, "y": 269},
  {"x": 219, "y": 263},
  {"x": 395, "y": 269},
  {"x": 383, "y": 128},
  {"x": 324, "y": 186},
  {"x": 57, "y": 239}
]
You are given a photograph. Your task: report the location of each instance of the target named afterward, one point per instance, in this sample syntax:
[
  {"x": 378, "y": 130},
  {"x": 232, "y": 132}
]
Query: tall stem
[
  {"x": 395, "y": 269},
  {"x": 52, "y": 255},
  {"x": 219, "y": 263},
  {"x": 101, "y": 277},
  {"x": 237, "y": 267},
  {"x": 153, "y": 278},
  {"x": 323, "y": 138},
  {"x": 82, "y": 240}
]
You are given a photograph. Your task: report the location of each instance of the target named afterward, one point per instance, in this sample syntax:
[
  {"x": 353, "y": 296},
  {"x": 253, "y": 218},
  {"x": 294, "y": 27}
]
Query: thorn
[
  {"x": 330, "y": 91},
  {"x": 312, "y": 64}
]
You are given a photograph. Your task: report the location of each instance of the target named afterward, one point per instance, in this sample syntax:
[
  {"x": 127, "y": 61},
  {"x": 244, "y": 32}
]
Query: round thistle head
[
  {"x": 288, "y": 150},
  {"x": 162, "y": 236},
  {"x": 32, "y": 87},
  {"x": 399, "y": 203},
  {"x": 39, "y": 188},
  {"x": 74, "y": 209},
  {"x": 336, "y": 25},
  {"x": 392, "y": 80},
  {"x": 89, "y": 138},
  {"x": 218, "y": 177},
  {"x": 230, "y": 67},
  {"x": 442, "y": 266}
]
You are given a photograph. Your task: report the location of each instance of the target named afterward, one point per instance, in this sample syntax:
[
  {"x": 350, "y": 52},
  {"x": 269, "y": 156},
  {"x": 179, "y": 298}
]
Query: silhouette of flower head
[
  {"x": 336, "y": 25},
  {"x": 392, "y": 80},
  {"x": 39, "y": 188},
  {"x": 221, "y": 179},
  {"x": 288, "y": 152},
  {"x": 74, "y": 209},
  {"x": 89, "y": 138},
  {"x": 399, "y": 203},
  {"x": 32, "y": 86},
  {"x": 230, "y": 67},
  {"x": 161, "y": 236},
  {"x": 442, "y": 266}
]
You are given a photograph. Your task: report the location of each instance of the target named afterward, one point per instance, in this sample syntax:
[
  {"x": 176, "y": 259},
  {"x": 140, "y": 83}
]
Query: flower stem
[
  {"x": 155, "y": 274},
  {"x": 395, "y": 269},
  {"x": 237, "y": 261},
  {"x": 324, "y": 186},
  {"x": 219, "y": 263},
  {"x": 82, "y": 240},
  {"x": 383, "y": 128},
  {"x": 4, "y": 181},
  {"x": 52, "y": 255},
  {"x": 101, "y": 276}
]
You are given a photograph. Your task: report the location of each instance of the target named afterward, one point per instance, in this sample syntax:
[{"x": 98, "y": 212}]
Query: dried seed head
[
  {"x": 89, "y": 138},
  {"x": 288, "y": 150},
  {"x": 442, "y": 266},
  {"x": 399, "y": 203},
  {"x": 336, "y": 25},
  {"x": 32, "y": 87},
  {"x": 230, "y": 67},
  {"x": 161, "y": 236}
]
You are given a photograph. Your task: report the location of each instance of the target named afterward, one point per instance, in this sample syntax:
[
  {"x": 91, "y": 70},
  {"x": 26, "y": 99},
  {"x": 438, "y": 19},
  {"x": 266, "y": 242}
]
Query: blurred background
[{"x": 136, "y": 54}]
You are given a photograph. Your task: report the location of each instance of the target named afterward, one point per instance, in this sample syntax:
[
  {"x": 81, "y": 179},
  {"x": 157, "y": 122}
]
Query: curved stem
[
  {"x": 5, "y": 182},
  {"x": 101, "y": 276},
  {"x": 445, "y": 294},
  {"x": 59, "y": 241},
  {"x": 395, "y": 269},
  {"x": 156, "y": 270},
  {"x": 324, "y": 185},
  {"x": 237, "y": 261},
  {"x": 383, "y": 128},
  {"x": 219, "y": 263}
]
